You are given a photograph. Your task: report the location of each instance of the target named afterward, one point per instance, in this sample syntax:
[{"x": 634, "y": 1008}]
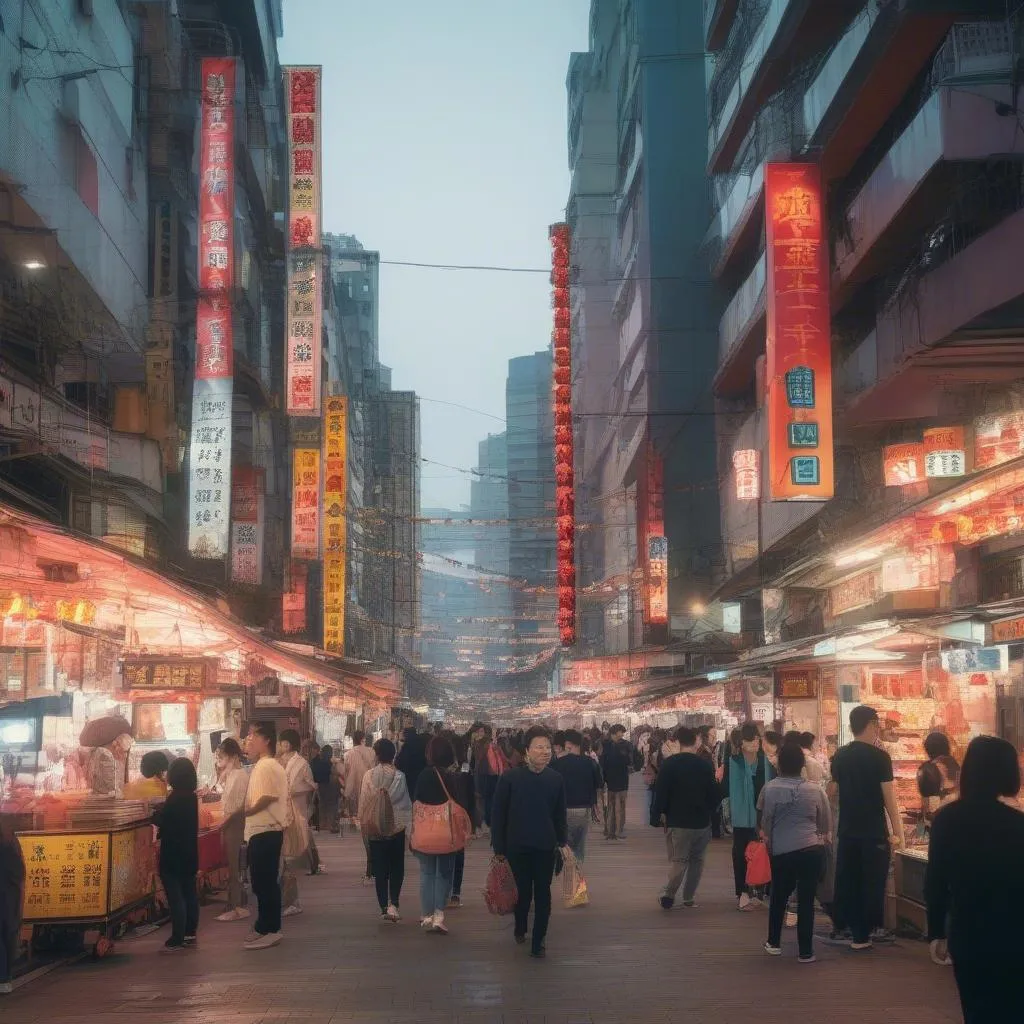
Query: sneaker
[
  {"x": 745, "y": 902},
  {"x": 772, "y": 950},
  {"x": 6, "y": 988},
  {"x": 690, "y": 904},
  {"x": 293, "y": 911},
  {"x": 238, "y": 914},
  {"x": 807, "y": 958},
  {"x": 170, "y": 946},
  {"x": 666, "y": 902},
  {"x": 190, "y": 940},
  {"x": 539, "y": 954},
  {"x": 427, "y": 923},
  {"x": 883, "y": 936},
  {"x": 520, "y": 939},
  {"x": 439, "y": 927},
  {"x": 265, "y": 941},
  {"x": 455, "y": 903},
  {"x": 392, "y": 914},
  {"x": 861, "y": 947},
  {"x": 756, "y": 903},
  {"x": 840, "y": 938},
  {"x": 790, "y": 919}
]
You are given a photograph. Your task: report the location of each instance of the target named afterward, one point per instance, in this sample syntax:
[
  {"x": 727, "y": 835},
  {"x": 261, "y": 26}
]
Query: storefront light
[
  {"x": 861, "y": 555},
  {"x": 971, "y": 497}
]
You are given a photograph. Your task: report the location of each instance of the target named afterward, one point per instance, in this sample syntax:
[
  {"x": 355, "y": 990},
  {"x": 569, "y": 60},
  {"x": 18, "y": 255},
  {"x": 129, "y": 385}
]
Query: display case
[{"x": 910, "y": 910}]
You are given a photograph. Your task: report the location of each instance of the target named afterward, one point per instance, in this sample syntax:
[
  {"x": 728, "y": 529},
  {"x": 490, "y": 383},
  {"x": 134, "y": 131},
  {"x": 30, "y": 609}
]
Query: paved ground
[{"x": 621, "y": 959}]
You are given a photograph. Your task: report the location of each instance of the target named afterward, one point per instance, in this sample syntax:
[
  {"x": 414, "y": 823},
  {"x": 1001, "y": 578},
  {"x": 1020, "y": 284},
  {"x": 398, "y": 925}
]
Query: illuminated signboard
[
  {"x": 169, "y": 674},
  {"x": 293, "y": 601},
  {"x": 304, "y": 312},
  {"x": 210, "y": 444},
  {"x": 799, "y": 341},
  {"x": 655, "y": 550},
  {"x": 796, "y": 683},
  {"x": 335, "y": 524},
  {"x": 903, "y": 464},
  {"x": 945, "y": 452},
  {"x": 747, "y": 466},
  {"x": 247, "y": 525},
  {"x": 66, "y": 876},
  {"x": 998, "y": 438},
  {"x": 305, "y": 503},
  {"x": 565, "y": 497}
]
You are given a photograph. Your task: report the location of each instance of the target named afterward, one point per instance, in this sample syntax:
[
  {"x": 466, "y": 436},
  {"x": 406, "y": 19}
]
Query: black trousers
[
  {"x": 10, "y": 929},
  {"x": 990, "y": 987},
  {"x": 862, "y": 870},
  {"x": 183, "y": 903},
  {"x": 741, "y": 838},
  {"x": 798, "y": 870},
  {"x": 387, "y": 857},
  {"x": 264, "y": 867},
  {"x": 533, "y": 870},
  {"x": 460, "y": 871}
]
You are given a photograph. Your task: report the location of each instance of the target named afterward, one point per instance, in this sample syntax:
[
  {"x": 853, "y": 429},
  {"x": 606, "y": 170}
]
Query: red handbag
[
  {"x": 439, "y": 828},
  {"x": 759, "y": 864},
  {"x": 500, "y": 893}
]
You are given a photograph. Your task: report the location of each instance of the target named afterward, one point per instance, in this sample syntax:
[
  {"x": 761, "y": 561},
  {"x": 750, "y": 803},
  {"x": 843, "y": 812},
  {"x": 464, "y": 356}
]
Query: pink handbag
[{"x": 439, "y": 828}]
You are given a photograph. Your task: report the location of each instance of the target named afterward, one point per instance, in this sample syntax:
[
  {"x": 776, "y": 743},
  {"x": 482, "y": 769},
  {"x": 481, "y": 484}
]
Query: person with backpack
[{"x": 384, "y": 818}]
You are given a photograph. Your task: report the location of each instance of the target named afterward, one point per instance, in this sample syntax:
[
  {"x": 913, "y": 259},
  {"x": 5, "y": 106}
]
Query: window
[{"x": 86, "y": 172}]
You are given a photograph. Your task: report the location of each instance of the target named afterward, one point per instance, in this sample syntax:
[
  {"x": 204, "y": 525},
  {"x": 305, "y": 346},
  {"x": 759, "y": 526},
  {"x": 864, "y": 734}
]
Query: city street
[{"x": 621, "y": 959}]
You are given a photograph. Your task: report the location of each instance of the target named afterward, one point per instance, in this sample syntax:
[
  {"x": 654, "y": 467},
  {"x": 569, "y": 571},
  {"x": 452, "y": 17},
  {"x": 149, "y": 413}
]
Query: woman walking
[
  {"x": 528, "y": 828},
  {"x": 437, "y": 870},
  {"x": 797, "y": 823},
  {"x": 461, "y": 785},
  {"x": 234, "y": 780},
  {"x": 974, "y": 886},
  {"x": 387, "y": 852},
  {"x": 746, "y": 774},
  {"x": 178, "y": 822},
  {"x": 328, "y": 784}
]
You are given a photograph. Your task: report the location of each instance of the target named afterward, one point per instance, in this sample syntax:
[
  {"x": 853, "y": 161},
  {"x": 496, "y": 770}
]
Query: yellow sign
[
  {"x": 131, "y": 877},
  {"x": 65, "y": 875},
  {"x": 335, "y": 525}
]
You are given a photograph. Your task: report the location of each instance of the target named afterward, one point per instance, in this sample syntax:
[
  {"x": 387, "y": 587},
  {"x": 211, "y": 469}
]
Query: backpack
[{"x": 377, "y": 818}]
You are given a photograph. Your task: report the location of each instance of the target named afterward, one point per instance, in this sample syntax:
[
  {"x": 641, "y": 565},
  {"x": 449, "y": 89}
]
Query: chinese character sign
[
  {"x": 565, "y": 497},
  {"x": 903, "y": 464},
  {"x": 653, "y": 541},
  {"x": 66, "y": 876},
  {"x": 657, "y": 585},
  {"x": 335, "y": 523},
  {"x": 306, "y": 503},
  {"x": 304, "y": 313},
  {"x": 747, "y": 465},
  {"x": 247, "y": 485},
  {"x": 799, "y": 344},
  {"x": 945, "y": 453},
  {"x": 210, "y": 442},
  {"x": 293, "y": 600}
]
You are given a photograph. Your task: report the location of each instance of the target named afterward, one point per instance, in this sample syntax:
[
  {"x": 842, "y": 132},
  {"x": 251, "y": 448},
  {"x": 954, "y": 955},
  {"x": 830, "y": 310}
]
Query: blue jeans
[
  {"x": 579, "y": 826},
  {"x": 437, "y": 872}
]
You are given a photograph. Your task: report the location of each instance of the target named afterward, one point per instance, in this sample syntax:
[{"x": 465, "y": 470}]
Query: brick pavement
[{"x": 621, "y": 959}]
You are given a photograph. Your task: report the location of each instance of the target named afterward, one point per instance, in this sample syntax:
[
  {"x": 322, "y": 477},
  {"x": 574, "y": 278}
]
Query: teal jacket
[{"x": 744, "y": 788}]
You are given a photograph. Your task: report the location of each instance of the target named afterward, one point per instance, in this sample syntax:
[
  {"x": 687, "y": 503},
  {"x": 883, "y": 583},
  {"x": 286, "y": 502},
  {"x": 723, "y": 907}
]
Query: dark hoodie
[{"x": 412, "y": 758}]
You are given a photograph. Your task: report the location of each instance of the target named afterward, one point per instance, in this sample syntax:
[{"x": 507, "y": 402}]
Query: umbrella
[{"x": 102, "y": 731}]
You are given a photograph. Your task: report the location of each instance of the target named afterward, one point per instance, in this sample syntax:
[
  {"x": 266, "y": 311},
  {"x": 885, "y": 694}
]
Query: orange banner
[{"x": 799, "y": 343}]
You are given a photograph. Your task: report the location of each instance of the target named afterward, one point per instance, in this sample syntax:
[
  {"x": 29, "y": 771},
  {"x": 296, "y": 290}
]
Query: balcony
[
  {"x": 868, "y": 73},
  {"x": 741, "y": 335},
  {"x": 912, "y": 183},
  {"x": 718, "y": 19}
]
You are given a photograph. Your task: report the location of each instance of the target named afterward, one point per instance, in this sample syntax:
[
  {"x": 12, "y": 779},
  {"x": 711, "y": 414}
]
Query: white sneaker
[
  {"x": 392, "y": 913},
  {"x": 427, "y": 923},
  {"x": 293, "y": 911},
  {"x": 265, "y": 941},
  {"x": 745, "y": 902},
  {"x": 6, "y": 988},
  {"x": 772, "y": 950},
  {"x": 238, "y": 914},
  {"x": 438, "y": 925}
]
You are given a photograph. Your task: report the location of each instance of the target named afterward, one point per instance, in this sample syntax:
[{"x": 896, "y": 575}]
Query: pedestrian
[
  {"x": 558, "y": 744},
  {"x": 153, "y": 784},
  {"x": 862, "y": 775},
  {"x": 616, "y": 764},
  {"x": 974, "y": 887},
  {"x": 266, "y": 816},
  {"x": 686, "y": 795},
  {"x": 177, "y": 821},
  {"x": 437, "y": 870},
  {"x": 460, "y": 784},
  {"x": 233, "y": 782},
  {"x": 938, "y": 778},
  {"x": 814, "y": 770},
  {"x": 387, "y": 852},
  {"x": 529, "y": 828},
  {"x": 328, "y": 784},
  {"x": 300, "y": 790},
  {"x": 709, "y": 750},
  {"x": 583, "y": 785},
  {"x": 358, "y": 761},
  {"x": 487, "y": 764},
  {"x": 412, "y": 757},
  {"x": 770, "y": 744},
  {"x": 796, "y": 822},
  {"x": 12, "y": 895},
  {"x": 747, "y": 773}
]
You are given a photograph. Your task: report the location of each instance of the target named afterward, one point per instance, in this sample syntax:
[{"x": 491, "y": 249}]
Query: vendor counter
[{"x": 908, "y": 900}]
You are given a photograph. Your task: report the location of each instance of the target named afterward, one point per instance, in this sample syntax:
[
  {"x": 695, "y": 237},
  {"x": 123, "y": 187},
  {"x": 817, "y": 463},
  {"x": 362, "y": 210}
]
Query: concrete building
[
  {"x": 488, "y": 500},
  {"x": 645, "y": 313}
]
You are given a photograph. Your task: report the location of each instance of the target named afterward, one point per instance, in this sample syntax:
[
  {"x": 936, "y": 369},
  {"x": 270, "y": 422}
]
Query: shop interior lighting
[
  {"x": 858, "y": 556},
  {"x": 971, "y": 497},
  {"x": 34, "y": 265}
]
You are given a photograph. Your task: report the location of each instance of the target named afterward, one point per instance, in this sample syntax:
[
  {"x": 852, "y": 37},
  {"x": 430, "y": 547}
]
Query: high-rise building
[
  {"x": 488, "y": 502},
  {"x": 645, "y": 315}
]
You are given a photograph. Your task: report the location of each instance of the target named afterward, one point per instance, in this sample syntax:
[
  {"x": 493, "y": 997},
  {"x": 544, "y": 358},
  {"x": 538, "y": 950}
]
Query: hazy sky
[{"x": 445, "y": 142}]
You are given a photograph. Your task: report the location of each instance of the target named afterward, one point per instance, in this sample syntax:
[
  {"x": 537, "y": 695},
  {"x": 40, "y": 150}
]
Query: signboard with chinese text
[
  {"x": 66, "y": 876},
  {"x": 799, "y": 339},
  {"x": 1008, "y": 631},
  {"x": 910, "y": 572},
  {"x": 747, "y": 466},
  {"x": 998, "y": 438},
  {"x": 655, "y": 546},
  {"x": 131, "y": 866},
  {"x": 293, "y": 601},
  {"x": 210, "y": 442},
  {"x": 657, "y": 587},
  {"x": 193, "y": 674},
  {"x": 903, "y": 464},
  {"x": 247, "y": 525},
  {"x": 945, "y": 452},
  {"x": 335, "y": 522},
  {"x": 305, "y": 503},
  {"x": 796, "y": 683},
  {"x": 304, "y": 313},
  {"x": 859, "y": 591}
]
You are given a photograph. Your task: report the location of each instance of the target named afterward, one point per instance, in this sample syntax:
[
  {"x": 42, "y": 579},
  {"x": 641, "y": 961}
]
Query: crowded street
[{"x": 620, "y": 959}]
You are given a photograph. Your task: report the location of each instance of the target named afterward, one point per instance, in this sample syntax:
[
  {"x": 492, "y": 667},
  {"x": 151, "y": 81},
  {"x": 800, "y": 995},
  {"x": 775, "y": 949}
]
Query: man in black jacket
[
  {"x": 616, "y": 763},
  {"x": 685, "y": 796},
  {"x": 583, "y": 785}
]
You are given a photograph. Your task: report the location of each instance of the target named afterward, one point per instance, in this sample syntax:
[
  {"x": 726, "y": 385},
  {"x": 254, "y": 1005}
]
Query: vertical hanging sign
[
  {"x": 565, "y": 497},
  {"x": 655, "y": 542},
  {"x": 335, "y": 523},
  {"x": 799, "y": 343},
  {"x": 304, "y": 314},
  {"x": 247, "y": 484},
  {"x": 306, "y": 503},
  {"x": 210, "y": 440}
]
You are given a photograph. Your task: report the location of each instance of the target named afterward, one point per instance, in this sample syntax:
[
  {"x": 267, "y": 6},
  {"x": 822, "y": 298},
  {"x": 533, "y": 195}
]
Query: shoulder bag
[{"x": 439, "y": 828}]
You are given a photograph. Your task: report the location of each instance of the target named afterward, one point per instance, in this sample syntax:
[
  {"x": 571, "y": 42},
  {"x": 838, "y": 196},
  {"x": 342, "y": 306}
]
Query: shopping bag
[
  {"x": 759, "y": 865},
  {"x": 439, "y": 828},
  {"x": 296, "y": 835},
  {"x": 574, "y": 885},
  {"x": 500, "y": 893}
]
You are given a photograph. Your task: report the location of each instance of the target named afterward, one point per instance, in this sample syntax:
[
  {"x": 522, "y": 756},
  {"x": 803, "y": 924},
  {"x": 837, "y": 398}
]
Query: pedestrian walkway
[{"x": 621, "y": 959}]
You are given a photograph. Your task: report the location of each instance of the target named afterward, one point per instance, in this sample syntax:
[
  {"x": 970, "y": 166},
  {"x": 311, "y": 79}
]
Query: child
[
  {"x": 178, "y": 821},
  {"x": 12, "y": 891}
]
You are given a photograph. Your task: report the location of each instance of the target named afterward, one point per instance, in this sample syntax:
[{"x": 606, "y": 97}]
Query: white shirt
[
  {"x": 234, "y": 784},
  {"x": 300, "y": 784},
  {"x": 267, "y": 778}
]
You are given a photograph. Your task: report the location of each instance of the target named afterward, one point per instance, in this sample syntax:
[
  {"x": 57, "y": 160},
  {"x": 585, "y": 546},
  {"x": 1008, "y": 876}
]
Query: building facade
[{"x": 645, "y": 310}]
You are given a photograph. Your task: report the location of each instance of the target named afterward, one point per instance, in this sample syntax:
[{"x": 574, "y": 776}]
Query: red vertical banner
[
  {"x": 304, "y": 313},
  {"x": 210, "y": 440},
  {"x": 293, "y": 601},
  {"x": 799, "y": 343},
  {"x": 565, "y": 489},
  {"x": 655, "y": 544}
]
